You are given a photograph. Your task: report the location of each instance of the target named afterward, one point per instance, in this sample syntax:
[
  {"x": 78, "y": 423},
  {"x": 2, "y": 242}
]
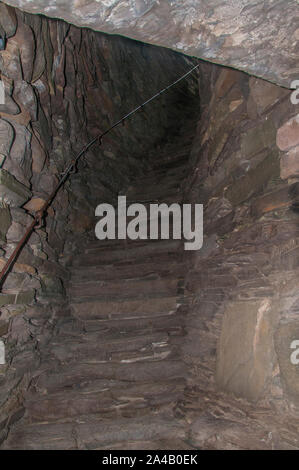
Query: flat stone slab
[
  {"x": 5, "y": 221},
  {"x": 124, "y": 308},
  {"x": 12, "y": 191},
  {"x": 245, "y": 355},
  {"x": 17, "y": 298},
  {"x": 91, "y": 435}
]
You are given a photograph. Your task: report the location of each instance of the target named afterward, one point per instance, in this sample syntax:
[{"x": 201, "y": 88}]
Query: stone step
[
  {"x": 91, "y": 435},
  {"x": 124, "y": 308},
  {"x": 123, "y": 288},
  {"x": 144, "y": 355},
  {"x": 113, "y": 402},
  {"x": 153, "y": 427},
  {"x": 104, "y": 245},
  {"x": 100, "y": 246},
  {"x": 115, "y": 387},
  {"x": 161, "y": 444},
  {"x": 108, "y": 331},
  {"x": 171, "y": 322},
  {"x": 113, "y": 339},
  {"x": 91, "y": 346},
  {"x": 153, "y": 248},
  {"x": 53, "y": 436},
  {"x": 131, "y": 271},
  {"x": 64, "y": 377},
  {"x": 106, "y": 298}
]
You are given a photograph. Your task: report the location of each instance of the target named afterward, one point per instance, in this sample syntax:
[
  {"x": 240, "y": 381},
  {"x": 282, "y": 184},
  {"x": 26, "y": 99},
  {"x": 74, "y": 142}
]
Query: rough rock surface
[
  {"x": 260, "y": 38},
  {"x": 243, "y": 389},
  {"x": 243, "y": 283}
]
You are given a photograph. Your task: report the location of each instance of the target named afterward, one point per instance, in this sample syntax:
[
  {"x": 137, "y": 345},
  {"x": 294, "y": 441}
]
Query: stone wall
[
  {"x": 244, "y": 281},
  {"x": 63, "y": 86}
]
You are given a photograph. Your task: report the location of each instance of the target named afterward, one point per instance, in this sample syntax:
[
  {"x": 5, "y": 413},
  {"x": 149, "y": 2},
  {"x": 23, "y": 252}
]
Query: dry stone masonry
[
  {"x": 245, "y": 279},
  {"x": 67, "y": 85},
  {"x": 140, "y": 344}
]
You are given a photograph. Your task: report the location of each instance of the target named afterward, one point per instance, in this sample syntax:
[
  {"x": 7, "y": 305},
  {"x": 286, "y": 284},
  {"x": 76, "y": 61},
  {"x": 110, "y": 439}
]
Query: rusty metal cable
[{"x": 37, "y": 221}]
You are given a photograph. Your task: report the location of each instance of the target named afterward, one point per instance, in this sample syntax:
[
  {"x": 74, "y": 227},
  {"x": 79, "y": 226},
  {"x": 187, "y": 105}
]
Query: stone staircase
[{"x": 112, "y": 373}]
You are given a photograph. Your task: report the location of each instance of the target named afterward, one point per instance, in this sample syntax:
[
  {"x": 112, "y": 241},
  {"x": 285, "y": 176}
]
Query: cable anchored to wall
[{"x": 39, "y": 215}]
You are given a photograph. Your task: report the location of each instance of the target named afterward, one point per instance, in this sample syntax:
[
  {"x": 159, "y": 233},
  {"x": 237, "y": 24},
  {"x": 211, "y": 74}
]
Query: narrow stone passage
[
  {"x": 113, "y": 371},
  {"x": 142, "y": 344}
]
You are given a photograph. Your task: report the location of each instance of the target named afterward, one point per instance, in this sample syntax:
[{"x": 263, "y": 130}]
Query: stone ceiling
[{"x": 260, "y": 37}]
